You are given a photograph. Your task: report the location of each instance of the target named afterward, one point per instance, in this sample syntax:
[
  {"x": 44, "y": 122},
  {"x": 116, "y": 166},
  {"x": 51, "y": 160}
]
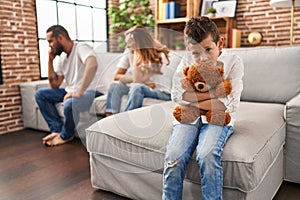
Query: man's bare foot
[
  {"x": 108, "y": 114},
  {"x": 54, "y": 139},
  {"x": 48, "y": 137}
]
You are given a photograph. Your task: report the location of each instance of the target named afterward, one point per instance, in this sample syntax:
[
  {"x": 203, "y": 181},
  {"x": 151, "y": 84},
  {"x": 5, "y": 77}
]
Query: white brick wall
[{"x": 19, "y": 56}]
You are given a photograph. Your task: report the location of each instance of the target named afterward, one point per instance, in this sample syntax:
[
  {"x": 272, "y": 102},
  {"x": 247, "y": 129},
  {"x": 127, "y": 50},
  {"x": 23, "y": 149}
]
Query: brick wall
[
  {"x": 113, "y": 38},
  {"x": 273, "y": 23},
  {"x": 18, "y": 45},
  {"x": 19, "y": 55}
]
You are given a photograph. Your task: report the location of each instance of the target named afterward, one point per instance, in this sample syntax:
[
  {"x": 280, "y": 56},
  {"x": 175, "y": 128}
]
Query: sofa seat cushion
[
  {"x": 139, "y": 137},
  {"x": 258, "y": 138},
  {"x": 99, "y": 104}
]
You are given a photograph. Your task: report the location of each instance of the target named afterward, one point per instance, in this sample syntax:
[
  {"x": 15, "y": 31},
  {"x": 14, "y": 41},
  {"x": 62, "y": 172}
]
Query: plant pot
[{"x": 211, "y": 15}]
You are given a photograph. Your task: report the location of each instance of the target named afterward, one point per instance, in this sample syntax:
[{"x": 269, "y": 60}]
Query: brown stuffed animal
[{"x": 203, "y": 77}]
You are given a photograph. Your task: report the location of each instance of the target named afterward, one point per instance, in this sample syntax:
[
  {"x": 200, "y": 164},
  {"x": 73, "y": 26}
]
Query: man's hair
[
  {"x": 58, "y": 30},
  {"x": 198, "y": 28}
]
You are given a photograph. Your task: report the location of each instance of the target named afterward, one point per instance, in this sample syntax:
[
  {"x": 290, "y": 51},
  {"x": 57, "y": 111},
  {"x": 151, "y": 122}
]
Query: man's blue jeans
[
  {"x": 136, "y": 94},
  {"x": 47, "y": 98},
  {"x": 208, "y": 140}
]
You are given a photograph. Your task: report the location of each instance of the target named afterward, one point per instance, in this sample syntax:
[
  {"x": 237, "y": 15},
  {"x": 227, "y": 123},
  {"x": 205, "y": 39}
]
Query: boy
[{"x": 205, "y": 44}]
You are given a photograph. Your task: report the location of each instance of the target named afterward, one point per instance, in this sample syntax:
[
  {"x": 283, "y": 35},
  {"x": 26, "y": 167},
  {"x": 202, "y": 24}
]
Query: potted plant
[
  {"x": 179, "y": 45},
  {"x": 211, "y": 12},
  {"x": 128, "y": 13}
]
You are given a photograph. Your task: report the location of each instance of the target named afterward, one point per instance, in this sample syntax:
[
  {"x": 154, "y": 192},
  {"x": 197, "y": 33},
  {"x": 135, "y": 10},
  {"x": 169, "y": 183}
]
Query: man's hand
[
  {"x": 72, "y": 95},
  {"x": 55, "y": 80},
  {"x": 51, "y": 55}
]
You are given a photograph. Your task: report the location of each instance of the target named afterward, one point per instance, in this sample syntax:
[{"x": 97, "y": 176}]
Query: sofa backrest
[
  {"x": 108, "y": 66},
  {"x": 271, "y": 73}
]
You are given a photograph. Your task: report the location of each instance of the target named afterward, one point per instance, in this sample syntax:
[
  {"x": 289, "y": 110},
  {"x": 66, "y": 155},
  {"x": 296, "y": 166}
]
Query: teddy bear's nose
[{"x": 200, "y": 86}]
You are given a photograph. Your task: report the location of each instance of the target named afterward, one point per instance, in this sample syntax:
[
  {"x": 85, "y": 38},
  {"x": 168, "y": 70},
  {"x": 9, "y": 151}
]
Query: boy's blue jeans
[
  {"x": 208, "y": 140},
  {"x": 136, "y": 94},
  {"x": 47, "y": 98}
]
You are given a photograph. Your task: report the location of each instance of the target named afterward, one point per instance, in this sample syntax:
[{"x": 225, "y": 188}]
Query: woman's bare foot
[{"x": 54, "y": 139}]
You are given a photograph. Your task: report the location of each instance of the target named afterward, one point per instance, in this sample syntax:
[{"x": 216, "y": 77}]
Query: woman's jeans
[
  {"x": 48, "y": 98},
  {"x": 136, "y": 94},
  {"x": 208, "y": 140}
]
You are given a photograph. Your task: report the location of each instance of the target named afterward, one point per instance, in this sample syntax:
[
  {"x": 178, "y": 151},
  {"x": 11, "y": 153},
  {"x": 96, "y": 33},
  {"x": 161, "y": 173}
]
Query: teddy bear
[{"x": 204, "y": 77}]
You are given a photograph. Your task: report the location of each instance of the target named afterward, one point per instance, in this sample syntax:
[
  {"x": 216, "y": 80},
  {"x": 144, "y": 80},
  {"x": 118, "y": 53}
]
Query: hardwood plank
[{"x": 29, "y": 170}]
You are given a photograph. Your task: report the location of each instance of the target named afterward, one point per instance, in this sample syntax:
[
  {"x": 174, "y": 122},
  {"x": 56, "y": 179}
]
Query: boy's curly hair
[{"x": 198, "y": 28}]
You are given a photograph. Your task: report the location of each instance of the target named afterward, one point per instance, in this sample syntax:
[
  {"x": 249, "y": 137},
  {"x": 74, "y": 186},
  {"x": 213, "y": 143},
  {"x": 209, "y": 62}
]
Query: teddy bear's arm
[
  {"x": 197, "y": 96},
  {"x": 223, "y": 89},
  {"x": 186, "y": 113},
  {"x": 211, "y": 104}
]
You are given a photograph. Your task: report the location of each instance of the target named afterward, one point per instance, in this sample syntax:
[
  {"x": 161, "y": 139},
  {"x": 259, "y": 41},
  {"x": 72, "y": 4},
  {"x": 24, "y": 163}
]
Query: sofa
[
  {"x": 127, "y": 149},
  {"x": 32, "y": 117}
]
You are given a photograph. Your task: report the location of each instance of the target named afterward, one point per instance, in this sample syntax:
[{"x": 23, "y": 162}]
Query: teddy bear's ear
[
  {"x": 221, "y": 71},
  {"x": 185, "y": 70}
]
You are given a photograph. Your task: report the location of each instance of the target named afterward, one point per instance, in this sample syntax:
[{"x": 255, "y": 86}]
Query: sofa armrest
[
  {"x": 292, "y": 148},
  {"x": 29, "y": 106}
]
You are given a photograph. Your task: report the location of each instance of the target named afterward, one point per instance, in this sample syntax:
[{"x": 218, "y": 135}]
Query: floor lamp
[{"x": 287, "y": 4}]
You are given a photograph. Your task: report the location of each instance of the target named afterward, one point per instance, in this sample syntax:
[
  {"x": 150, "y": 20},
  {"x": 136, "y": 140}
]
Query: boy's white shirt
[{"x": 233, "y": 71}]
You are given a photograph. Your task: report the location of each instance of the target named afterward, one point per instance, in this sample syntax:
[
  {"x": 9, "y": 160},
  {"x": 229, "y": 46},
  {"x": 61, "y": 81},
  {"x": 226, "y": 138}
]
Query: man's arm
[
  {"x": 55, "y": 80},
  {"x": 91, "y": 66}
]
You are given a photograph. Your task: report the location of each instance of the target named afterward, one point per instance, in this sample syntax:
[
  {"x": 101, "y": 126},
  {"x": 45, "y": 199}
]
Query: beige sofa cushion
[
  {"x": 271, "y": 73},
  {"x": 139, "y": 137}
]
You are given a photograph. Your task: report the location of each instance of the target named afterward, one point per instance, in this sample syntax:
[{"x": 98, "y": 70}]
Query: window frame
[{"x": 102, "y": 43}]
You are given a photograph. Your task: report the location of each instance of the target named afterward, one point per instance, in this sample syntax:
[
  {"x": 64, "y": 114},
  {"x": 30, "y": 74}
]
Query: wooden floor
[{"x": 29, "y": 170}]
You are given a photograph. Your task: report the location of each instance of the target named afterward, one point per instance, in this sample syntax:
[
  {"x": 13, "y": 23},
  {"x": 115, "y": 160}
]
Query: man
[{"x": 77, "y": 67}]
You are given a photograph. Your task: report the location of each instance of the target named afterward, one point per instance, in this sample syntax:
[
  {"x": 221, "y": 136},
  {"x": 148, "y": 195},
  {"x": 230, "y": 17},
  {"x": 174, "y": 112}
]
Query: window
[{"x": 85, "y": 20}]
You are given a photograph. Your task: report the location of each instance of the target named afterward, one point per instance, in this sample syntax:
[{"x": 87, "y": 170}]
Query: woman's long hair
[{"x": 147, "y": 49}]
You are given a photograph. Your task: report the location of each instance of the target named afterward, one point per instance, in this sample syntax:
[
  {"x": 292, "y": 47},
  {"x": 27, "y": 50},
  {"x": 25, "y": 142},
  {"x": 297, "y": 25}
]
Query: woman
[{"x": 139, "y": 74}]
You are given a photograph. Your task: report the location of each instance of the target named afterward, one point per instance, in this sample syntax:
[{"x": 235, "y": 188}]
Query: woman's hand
[
  {"x": 72, "y": 95},
  {"x": 150, "y": 85},
  {"x": 125, "y": 79}
]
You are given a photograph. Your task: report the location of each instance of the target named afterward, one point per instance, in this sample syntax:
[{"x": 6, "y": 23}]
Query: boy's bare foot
[{"x": 54, "y": 139}]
